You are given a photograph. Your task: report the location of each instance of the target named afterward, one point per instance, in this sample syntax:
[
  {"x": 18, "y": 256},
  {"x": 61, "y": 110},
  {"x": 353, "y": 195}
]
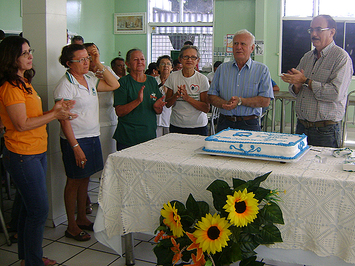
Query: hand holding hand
[
  {"x": 178, "y": 94},
  {"x": 159, "y": 104},
  {"x": 231, "y": 104},
  {"x": 141, "y": 95},
  {"x": 184, "y": 93},
  {"x": 294, "y": 76},
  {"x": 62, "y": 108}
]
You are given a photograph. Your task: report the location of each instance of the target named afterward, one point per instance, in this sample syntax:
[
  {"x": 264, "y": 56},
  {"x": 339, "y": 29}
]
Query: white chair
[{"x": 345, "y": 119}]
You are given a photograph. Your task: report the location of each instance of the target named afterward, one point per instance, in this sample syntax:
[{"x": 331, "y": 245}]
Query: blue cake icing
[{"x": 258, "y": 144}]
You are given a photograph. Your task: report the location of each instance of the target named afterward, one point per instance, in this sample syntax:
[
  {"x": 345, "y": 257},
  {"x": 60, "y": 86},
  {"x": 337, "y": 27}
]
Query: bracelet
[
  {"x": 101, "y": 71},
  {"x": 76, "y": 145}
]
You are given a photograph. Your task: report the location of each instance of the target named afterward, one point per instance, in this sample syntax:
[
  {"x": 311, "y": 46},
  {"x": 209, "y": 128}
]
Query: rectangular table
[{"x": 318, "y": 207}]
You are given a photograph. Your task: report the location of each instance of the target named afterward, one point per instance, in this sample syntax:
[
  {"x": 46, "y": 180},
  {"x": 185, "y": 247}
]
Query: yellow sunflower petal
[
  {"x": 172, "y": 219},
  {"x": 212, "y": 233},
  {"x": 242, "y": 207}
]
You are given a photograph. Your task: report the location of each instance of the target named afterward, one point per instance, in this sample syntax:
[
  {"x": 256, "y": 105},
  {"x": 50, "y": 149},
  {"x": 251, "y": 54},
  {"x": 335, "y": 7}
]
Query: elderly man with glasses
[
  {"x": 320, "y": 84},
  {"x": 241, "y": 87}
]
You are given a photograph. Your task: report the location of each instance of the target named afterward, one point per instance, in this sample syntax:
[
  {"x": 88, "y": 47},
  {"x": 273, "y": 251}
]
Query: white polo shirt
[{"x": 86, "y": 104}]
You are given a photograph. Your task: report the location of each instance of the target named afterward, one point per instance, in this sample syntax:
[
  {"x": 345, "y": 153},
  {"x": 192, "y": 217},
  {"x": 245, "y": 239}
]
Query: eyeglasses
[
  {"x": 186, "y": 57},
  {"x": 27, "y": 53},
  {"x": 82, "y": 60},
  {"x": 165, "y": 64},
  {"x": 317, "y": 30}
]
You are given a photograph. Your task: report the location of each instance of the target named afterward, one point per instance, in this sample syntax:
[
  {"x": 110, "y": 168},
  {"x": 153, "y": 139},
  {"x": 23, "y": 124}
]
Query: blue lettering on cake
[
  {"x": 243, "y": 134},
  {"x": 252, "y": 149},
  {"x": 302, "y": 145}
]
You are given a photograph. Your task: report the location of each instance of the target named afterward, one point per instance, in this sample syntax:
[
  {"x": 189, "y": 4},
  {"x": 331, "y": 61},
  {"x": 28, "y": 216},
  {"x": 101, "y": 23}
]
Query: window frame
[
  {"x": 343, "y": 20},
  {"x": 151, "y": 25}
]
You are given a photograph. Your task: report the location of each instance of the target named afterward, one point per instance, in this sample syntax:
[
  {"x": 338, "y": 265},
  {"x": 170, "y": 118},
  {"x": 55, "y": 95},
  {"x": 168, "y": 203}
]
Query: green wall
[
  {"x": 10, "y": 15},
  {"x": 231, "y": 16},
  {"x": 125, "y": 42},
  {"x": 94, "y": 21}
]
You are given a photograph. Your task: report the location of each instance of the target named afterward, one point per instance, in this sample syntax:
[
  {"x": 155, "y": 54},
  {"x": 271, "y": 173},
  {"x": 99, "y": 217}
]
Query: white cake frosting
[{"x": 257, "y": 143}]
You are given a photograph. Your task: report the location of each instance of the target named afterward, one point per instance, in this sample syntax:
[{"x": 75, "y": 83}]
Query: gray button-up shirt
[{"x": 331, "y": 75}]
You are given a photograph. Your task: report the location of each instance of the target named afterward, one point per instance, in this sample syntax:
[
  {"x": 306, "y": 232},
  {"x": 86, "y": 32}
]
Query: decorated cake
[{"x": 257, "y": 143}]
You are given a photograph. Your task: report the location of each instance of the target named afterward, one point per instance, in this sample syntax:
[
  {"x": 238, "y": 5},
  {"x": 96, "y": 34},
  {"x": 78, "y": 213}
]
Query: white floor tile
[
  {"x": 54, "y": 233},
  {"x": 61, "y": 252},
  {"x": 100, "y": 247},
  {"x": 144, "y": 251},
  {"x": 143, "y": 237},
  {"x": 93, "y": 196},
  {"x": 13, "y": 247},
  {"x": 7, "y": 257},
  {"x": 92, "y": 257},
  {"x": 93, "y": 185},
  {"x": 2, "y": 240}
]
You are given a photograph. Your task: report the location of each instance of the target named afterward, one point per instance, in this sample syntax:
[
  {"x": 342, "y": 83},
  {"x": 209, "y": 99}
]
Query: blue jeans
[
  {"x": 224, "y": 123},
  {"x": 29, "y": 174},
  {"x": 328, "y": 136}
]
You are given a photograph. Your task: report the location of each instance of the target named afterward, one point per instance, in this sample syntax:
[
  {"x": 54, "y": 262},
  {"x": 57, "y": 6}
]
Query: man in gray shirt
[{"x": 320, "y": 83}]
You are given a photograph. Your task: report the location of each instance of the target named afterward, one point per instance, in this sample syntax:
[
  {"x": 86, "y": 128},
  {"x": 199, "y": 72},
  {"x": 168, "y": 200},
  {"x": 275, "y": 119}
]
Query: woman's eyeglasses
[
  {"x": 27, "y": 53},
  {"x": 186, "y": 57},
  {"x": 82, "y": 60}
]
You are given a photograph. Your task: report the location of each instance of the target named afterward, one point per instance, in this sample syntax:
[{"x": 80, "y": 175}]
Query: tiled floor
[{"x": 90, "y": 253}]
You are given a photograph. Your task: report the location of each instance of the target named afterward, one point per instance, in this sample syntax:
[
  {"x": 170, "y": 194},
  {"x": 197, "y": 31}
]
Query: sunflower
[
  {"x": 212, "y": 233},
  {"x": 172, "y": 219},
  {"x": 242, "y": 208}
]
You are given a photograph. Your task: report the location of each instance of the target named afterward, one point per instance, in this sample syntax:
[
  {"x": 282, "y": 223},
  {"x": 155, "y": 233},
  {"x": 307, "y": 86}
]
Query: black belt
[
  {"x": 308, "y": 124},
  {"x": 234, "y": 118}
]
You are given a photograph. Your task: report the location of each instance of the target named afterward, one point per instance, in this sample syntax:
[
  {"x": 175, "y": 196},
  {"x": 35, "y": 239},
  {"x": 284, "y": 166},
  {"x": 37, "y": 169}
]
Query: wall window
[
  {"x": 173, "y": 22},
  {"x": 297, "y": 18}
]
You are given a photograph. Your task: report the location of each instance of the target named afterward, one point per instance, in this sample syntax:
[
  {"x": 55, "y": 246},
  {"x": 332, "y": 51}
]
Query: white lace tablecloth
[{"x": 318, "y": 207}]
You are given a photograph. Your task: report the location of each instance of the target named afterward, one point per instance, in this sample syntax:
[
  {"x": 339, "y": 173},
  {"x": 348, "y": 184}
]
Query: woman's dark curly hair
[
  {"x": 10, "y": 51},
  {"x": 68, "y": 53}
]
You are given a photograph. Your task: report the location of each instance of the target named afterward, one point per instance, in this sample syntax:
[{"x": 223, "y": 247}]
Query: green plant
[{"x": 245, "y": 218}]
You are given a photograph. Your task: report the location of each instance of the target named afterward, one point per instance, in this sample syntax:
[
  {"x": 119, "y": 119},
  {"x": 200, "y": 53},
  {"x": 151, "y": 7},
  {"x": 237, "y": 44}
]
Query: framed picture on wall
[{"x": 130, "y": 23}]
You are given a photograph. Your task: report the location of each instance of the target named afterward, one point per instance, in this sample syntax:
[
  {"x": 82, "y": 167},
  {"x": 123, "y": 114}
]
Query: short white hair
[{"x": 244, "y": 31}]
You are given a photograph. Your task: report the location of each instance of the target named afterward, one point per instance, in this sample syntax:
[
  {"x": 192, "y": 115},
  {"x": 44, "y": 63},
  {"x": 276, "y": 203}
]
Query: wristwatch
[
  {"x": 240, "y": 101},
  {"x": 307, "y": 82}
]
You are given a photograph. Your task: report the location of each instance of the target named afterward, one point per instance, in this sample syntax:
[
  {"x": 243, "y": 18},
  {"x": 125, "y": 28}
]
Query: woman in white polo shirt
[{"x": 79, "y": 138}]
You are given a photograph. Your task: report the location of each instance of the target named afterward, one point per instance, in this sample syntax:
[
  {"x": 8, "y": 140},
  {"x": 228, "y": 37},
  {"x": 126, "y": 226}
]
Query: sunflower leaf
[
  {"x": 192, "y": 206},
  {"x": 248, "y": 243},
  {"x": 218, "y": 186},
  {"x": 179, "y": 206},
  {"x": 270, "y": 234},
  {"x": 254, "y": 184},
  {"x": 237, "y": 182},
  {"x": 164, "y": 255},
  {"x": 204, "y": 208},
  {"x": 272, "y": 213},
  {"x": 261, "y": 193},
  {"x": 251, "y": 261},
  {"x": 235, "y": 233}
]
